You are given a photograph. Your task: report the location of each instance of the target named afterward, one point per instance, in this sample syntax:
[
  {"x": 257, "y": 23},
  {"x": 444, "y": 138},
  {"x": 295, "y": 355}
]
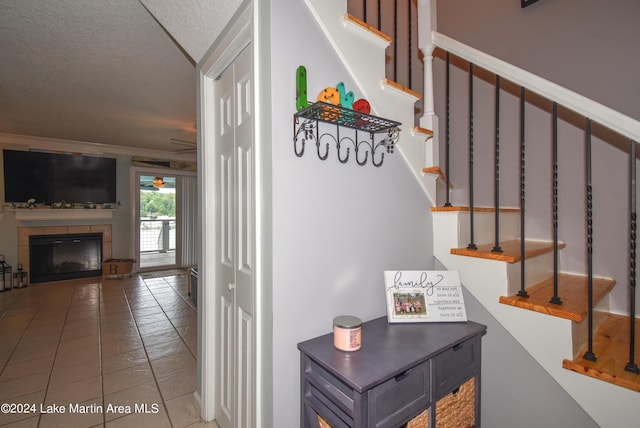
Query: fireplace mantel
[{"x": 62, "y": 214}]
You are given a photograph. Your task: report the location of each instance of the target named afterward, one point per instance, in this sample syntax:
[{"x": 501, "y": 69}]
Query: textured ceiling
[
  {"x": 103, "y": 71},
  {"x": 194, "y": 24}
]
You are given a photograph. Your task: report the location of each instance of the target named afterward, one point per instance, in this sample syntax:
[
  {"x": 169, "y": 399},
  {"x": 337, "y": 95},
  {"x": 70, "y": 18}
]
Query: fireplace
[
  {"x": 65, "y": 256},
  {"x": 24, "y": 234}
]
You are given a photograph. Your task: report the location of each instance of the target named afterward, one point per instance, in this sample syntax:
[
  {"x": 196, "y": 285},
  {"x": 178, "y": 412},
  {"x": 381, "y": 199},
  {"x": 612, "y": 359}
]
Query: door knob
[{"x": 231, "y": 286}]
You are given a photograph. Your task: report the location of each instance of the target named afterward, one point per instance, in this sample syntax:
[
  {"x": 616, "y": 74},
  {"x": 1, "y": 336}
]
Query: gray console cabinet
[{"x": 401, "y": 370}]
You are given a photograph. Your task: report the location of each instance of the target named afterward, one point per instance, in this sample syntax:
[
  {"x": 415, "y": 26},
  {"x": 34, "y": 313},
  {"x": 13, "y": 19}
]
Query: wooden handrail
[{"x": 612, "y": 119}]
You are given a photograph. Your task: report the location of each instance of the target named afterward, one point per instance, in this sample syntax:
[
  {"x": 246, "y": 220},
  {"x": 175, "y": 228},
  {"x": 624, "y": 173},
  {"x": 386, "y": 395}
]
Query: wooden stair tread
[
  {"x": 510, "y": 250},
  {"x": 424, "y": 131},
  {"x": 401, "y": 88},
  {"x": 460, "y": 208},
  {"x": 572, "y": 290},
  {"x": 368, "y": 27},
  {"x": 437, "y": 171},
  {"x": 611, "y": 348}
]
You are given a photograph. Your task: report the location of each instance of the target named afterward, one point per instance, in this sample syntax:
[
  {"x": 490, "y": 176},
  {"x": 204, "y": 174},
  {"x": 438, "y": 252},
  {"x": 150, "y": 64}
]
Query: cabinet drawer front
[
  {"x": 455, "y": 365},
  {"x": 391, "y": 402},
  {"x": 329, "y": 386}
]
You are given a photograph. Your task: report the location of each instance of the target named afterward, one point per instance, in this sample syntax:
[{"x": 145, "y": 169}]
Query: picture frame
[
  {"x": 424, "y": 296},
  {"x": 407, "y": 305},
  {"x": 525, "y": 3}
]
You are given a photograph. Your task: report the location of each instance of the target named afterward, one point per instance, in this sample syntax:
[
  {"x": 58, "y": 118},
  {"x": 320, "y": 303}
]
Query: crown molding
[{"x": 86, "y": 148}]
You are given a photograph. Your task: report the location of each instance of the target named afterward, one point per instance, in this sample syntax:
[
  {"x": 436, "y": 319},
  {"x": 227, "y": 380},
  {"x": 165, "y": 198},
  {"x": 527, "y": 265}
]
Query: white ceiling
[{"x": 105, "y": 71}]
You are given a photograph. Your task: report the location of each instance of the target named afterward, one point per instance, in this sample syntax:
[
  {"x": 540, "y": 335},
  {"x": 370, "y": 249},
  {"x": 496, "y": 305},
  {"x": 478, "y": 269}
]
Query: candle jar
[{"x": 347, "y": 333}]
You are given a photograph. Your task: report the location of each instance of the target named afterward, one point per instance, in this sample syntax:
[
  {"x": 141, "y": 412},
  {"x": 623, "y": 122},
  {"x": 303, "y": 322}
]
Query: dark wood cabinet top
[{"x": 387, "y": 349}]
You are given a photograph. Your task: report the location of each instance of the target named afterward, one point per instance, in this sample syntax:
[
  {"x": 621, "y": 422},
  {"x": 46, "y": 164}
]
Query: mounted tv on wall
[{"x": 51, "y": 177}]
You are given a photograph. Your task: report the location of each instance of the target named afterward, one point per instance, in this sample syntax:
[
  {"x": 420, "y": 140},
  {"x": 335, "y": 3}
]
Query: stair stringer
[
  {"x": 363, "y": 55},
  {"x": 546, "y": 338}
]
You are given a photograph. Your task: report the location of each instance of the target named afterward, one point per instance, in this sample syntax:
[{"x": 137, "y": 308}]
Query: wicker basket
[
  {"x": 458, "y": 409},
  {"x": 420, "y": 421},
  {"x": 323, "y": 423}
]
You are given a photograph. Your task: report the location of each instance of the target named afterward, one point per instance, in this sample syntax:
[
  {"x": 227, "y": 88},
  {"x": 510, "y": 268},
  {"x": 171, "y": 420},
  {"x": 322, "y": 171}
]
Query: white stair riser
[
  {"x": 536, "y": 269},
  {"x": 484, "y": 227},
  {"x": 580, "y": 330}
]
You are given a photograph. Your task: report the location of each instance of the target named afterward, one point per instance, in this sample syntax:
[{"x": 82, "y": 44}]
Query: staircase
[{"x": 556, "y": 336}]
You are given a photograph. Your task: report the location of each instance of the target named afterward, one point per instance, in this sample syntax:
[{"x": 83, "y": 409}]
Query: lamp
[
  {"x": 158, "y": 182},
  {"x": 5, "y": 274}
]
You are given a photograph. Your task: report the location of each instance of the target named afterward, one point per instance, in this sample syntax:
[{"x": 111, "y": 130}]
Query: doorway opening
[{"x": 157, "y": 221}]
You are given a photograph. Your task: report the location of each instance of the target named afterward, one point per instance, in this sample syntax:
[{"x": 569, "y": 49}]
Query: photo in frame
[{"x": 424, "y": 296}]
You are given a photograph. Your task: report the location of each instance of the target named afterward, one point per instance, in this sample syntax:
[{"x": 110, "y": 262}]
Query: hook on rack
[
  {"x": 339, "y": 145},
  {"x": 303, "y": 134},
  {"x": 326, "y": 153}
]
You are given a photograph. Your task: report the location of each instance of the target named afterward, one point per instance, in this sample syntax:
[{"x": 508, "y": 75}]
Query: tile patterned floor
[{"x": 112, "y": 353}]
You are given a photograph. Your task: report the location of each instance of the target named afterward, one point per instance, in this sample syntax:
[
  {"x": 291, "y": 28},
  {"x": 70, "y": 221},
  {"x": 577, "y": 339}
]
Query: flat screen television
[{"x": 51, "y": 177}]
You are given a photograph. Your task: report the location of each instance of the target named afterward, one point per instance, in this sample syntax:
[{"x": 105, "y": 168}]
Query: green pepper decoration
[{"x": 301, "y": 88}]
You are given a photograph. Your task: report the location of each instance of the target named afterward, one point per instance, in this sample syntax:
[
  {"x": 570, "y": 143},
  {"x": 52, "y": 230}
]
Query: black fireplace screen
[{"x": 68, "y": 256}]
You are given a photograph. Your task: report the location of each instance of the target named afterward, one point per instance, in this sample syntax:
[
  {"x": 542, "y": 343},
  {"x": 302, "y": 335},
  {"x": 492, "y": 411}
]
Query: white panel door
[{"x": 235, "y": 216}]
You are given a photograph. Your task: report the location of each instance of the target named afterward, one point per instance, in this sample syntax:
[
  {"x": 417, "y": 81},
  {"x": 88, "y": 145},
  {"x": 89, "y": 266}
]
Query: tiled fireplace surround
[{"x": 25, "y": 232}]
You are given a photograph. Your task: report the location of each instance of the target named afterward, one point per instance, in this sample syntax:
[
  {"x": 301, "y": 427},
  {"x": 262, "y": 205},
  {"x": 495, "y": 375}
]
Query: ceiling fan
[{"x": 192, "y": 146}]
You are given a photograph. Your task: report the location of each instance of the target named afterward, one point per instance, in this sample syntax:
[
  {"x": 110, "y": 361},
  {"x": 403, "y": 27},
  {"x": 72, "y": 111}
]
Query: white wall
[
  {"x": 588, "y": 46},
  {"x": 336, "y": 227}
]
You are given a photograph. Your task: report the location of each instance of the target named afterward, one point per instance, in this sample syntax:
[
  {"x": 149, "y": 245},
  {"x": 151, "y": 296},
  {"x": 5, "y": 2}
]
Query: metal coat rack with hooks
[{"x": 380, "y": 134}]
